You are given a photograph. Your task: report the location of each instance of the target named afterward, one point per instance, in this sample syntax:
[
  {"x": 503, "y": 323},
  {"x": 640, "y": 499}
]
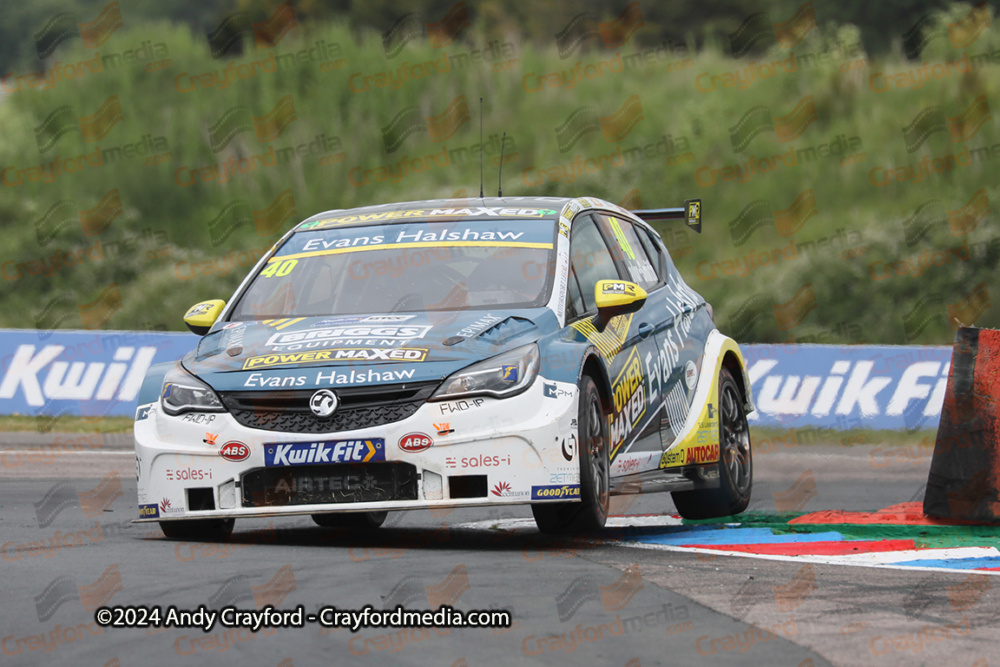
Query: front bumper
[{"x": 485, "y": 451}]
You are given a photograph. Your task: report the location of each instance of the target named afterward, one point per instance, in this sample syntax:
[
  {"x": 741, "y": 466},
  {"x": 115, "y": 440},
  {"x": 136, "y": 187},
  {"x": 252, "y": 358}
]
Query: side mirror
[
  {"x": 200, "y": 317},
  {"x": 617, "y": 297}
]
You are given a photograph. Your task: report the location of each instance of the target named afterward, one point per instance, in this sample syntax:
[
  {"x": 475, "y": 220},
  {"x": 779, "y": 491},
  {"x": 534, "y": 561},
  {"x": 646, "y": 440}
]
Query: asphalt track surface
[{"x": 68, "y": 545}]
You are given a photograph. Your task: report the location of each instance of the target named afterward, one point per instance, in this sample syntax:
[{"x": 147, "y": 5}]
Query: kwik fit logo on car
[{"x": 334, "y": 451}]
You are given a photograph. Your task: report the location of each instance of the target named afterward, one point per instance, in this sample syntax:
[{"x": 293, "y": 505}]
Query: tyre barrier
[{"x": 964, "y": 479}]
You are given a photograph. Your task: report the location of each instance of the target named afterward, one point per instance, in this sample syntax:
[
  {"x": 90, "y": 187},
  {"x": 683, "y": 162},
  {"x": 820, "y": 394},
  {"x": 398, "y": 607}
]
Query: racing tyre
[
  {"x": 357, "y": 520},
  {"x": 735, "y": 461},
  {"x": 198, "y": 530},
  {"x": 591, "y": 513}
]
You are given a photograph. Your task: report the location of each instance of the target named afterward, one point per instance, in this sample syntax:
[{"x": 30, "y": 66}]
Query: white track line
[{"x": 819, "y": 560}]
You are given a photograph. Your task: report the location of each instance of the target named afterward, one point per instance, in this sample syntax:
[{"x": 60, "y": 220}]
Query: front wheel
[
  {"x": 735, "y": 461},
  {"x": 198, "y": 530},
  {"x": 591, "y": 513}
]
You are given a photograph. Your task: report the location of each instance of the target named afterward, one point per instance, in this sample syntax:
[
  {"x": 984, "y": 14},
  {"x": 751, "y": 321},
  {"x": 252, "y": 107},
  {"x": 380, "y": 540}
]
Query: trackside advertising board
[
  {"x": 98, "y": 373},
  {"x": 863, "y": 386},
  {"x": 89, "y": 373}
]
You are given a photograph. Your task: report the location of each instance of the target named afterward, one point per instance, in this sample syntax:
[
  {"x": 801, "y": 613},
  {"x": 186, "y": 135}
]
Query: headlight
[
  {"x": 504, "y": 375},
  {"x": 183, "y": 392}
]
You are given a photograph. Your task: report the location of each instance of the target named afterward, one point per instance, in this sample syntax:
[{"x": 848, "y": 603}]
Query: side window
[
  {"x": 591, "y": 260},
  {"x": 629, "y": 251},
  {"x": 574, "y": 301},
  {"x": 656, "y": 256}
]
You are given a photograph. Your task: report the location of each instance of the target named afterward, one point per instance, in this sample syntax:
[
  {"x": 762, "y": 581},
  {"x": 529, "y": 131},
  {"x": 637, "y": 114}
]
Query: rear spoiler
[{"x": 689, "y": 213}]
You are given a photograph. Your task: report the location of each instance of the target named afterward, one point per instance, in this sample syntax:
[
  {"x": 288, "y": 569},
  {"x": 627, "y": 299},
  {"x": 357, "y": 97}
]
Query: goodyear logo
[
  {"x": 336, "y": 451},
  {"x": 336, "y": 354},
  {"x": 555, "y": 492},
  {"x": 149, "y": 511}
]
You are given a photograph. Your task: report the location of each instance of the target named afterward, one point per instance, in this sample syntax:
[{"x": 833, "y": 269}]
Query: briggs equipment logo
[
  {"x": 613, "y": 128},
  {"x": 335, "y": 451},
  {"x": 438, "y": 128},
  {"x": 307, "y": 336}
]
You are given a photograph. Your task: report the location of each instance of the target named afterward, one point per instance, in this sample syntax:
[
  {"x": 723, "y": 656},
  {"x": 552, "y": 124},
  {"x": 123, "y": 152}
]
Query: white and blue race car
[{"x": 449, "y": 353}]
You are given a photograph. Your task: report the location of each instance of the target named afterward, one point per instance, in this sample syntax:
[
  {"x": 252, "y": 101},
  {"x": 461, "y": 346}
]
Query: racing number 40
[{"x": 279, "y": 269}]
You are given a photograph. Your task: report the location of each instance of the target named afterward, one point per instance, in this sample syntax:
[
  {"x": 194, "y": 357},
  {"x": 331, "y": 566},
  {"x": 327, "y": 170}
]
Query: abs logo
[
  {"x": 235, "y": 451},
  {"x": 415, "y": 442},
  {"x": 336, "y": 451},
  {"x": 565, "y": 491}
]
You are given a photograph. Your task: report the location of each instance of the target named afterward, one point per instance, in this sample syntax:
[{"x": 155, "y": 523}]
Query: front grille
[
  {"x": 338, "y": 483},
  {"x": 360, "y": 407}
]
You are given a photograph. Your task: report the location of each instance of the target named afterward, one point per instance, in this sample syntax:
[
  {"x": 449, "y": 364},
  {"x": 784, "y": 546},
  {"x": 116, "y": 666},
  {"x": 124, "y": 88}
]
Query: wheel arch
[
  {"x": 595, "y": 368},
  {"x": 735, "y": 367}
]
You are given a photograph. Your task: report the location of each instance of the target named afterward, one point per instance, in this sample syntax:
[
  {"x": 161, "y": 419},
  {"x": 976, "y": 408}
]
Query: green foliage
[{"x": 163, "y": 251}]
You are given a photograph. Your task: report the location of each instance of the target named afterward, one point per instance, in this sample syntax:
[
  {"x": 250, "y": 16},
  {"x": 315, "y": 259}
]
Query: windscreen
[{"x": 416, "y": 266}]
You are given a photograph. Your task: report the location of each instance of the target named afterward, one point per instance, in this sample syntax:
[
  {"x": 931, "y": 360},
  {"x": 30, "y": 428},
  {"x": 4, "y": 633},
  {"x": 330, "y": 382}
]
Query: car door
[
  {"x": 682, "y": 328},
  {"x": 599, "y": 251}
]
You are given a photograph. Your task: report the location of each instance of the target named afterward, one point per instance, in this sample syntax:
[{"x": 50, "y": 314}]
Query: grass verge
[{"x": 64, "y": 424}]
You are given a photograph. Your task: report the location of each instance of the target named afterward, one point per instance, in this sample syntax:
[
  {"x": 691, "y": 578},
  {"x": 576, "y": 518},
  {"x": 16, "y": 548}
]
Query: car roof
[{"x": 547, "y": 208}]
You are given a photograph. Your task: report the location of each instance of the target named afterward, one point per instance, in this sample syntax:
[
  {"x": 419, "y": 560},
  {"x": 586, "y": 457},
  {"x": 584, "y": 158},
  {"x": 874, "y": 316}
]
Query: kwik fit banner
[
  {"x": 94, "y": 373},
  {"x": 89, "y": 373},
  {"x": 863, "y": 386}
]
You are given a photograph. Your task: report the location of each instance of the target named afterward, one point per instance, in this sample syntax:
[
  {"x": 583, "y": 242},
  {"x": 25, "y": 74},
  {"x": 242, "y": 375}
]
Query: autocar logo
[
  {"x": 323, "y": 403},
  {"x": 415, "y": 442}
]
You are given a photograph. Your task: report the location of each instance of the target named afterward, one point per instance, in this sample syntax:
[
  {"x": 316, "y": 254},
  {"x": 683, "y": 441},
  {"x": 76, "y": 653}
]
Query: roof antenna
[
  {"x": 500, "y": 171},
  {"x": 480, "y": 147}
]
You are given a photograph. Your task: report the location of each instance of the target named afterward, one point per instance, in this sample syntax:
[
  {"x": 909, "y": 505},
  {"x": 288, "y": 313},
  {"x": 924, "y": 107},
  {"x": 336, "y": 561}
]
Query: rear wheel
[
  {"x": 199, "y": 530},
  {"x": 591, "y": 513},
  {"x": 735, "y": 461},
  {"x": 354, "y": 520}
]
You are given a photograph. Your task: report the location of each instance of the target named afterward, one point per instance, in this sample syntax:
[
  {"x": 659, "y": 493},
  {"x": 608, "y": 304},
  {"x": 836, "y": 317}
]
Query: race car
[{"x": 449, "y": 353}]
